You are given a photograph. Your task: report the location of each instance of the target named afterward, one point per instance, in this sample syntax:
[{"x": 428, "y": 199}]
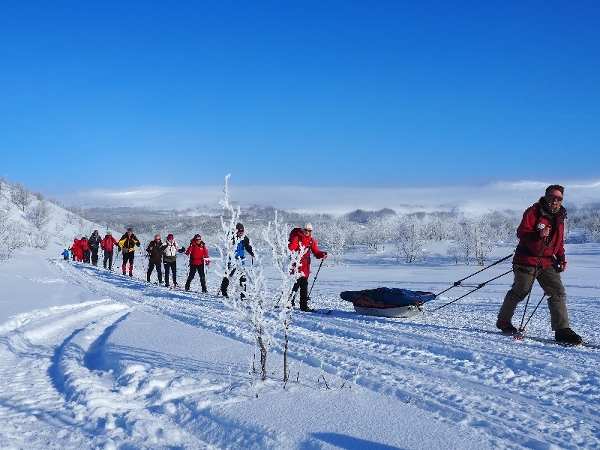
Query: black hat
[{"x": 239, "y": 227}]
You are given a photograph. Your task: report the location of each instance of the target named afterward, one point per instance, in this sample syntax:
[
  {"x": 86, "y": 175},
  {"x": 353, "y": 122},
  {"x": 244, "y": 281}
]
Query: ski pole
[
  {"x": 457, "y": 283},
  {"x": 315, "y": 279},
  {"x": 537, "y": 306},
  {"x": 535, "y": 274},
  {"x": 479, "y": 286}
]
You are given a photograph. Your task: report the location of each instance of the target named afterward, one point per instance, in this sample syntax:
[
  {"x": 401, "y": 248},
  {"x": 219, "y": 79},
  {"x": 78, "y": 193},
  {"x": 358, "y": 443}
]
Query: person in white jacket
[{"x": 170, "y": 250}]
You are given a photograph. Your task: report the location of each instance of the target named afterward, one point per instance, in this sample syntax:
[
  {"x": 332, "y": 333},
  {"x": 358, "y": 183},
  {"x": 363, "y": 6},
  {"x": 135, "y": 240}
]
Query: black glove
[{"x": 137, "y": 244}]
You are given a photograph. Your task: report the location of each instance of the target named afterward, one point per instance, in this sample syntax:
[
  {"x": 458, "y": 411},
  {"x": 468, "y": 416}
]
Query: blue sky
[{"x": 311, "y": 93}]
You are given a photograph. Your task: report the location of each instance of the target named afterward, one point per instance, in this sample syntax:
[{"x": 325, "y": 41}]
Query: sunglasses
[{"x": 555, "y": 197}]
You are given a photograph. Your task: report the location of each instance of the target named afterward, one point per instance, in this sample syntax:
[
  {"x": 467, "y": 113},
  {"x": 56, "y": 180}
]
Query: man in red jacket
[
  {"x": 303, "y": 237},
  {"x": 540, "y": 255}
]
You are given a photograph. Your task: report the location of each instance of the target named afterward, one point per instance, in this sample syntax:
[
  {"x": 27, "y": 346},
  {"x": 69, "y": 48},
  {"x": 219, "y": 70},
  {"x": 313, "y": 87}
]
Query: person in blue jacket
[
  {"x": 65, "y": 254},
  {"x": 243, "y": 246}
]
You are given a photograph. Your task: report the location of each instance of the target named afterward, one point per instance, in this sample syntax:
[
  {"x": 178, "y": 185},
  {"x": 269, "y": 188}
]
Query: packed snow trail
[
  {"x": 68, "y": 374},
  {"x": 462, "y": 375}
]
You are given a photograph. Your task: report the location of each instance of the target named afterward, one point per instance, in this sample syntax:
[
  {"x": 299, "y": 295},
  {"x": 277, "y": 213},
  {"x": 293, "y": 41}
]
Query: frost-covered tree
[
  {"x": 411, "y": 238},
  {"x": 284, "y": 260},
  {"x": 12, "y": 236},
  {"x": 590, "y": 223},
  {"x": 475, "y": 239},
  {"x": 20, "y": 196},
  {"x": 333, "y": 236},
  {"x": 40, "y": 214},
  {"x": 381, "y": 230},
  {"x": 250, "y": 296}
]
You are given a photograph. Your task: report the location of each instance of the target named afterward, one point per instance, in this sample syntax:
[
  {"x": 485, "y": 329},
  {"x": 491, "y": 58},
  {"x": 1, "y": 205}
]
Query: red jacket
[
  {"x": 310, "y": 245},
  {"x": 198, "y": 254},
  {"x": 535, "y": 218},
  {"x": 83, "y": 243},
  {"x": 108, "y": 243},
  {"x": 77, "y": 250}
]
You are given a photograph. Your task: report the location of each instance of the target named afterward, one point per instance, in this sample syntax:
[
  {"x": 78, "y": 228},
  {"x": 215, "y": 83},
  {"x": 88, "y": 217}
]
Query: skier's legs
[
  {"x": 524, "y": 277},
  {"x": 303, "y": 284},
  {"x": 166, "y": 264},
  {"x": 551, "y": 283},
  {"x": 202, "y": 277},
  {"x": 193, "y": 269}
]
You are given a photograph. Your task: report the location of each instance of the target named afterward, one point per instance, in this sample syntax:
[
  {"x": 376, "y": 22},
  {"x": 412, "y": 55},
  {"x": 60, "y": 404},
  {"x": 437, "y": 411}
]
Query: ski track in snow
[{"x": 466, "y": 375}]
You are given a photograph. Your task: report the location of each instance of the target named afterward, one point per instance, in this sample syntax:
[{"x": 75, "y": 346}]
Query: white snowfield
[{"x": 92, "y": 359}]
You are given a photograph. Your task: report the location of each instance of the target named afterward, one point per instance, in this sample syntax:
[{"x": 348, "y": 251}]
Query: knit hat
[
  {"x": 108, "y": 233},
  {"x": 170, "y": 237},
  {"x": 129, "y": 229},
  {"x": 239, "y": 227},
  {"x": 308, "y": 226}
]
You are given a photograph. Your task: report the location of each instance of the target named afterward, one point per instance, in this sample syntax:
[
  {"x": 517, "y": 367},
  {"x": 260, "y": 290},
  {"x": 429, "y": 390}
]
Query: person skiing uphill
[
  {"x": 198, "y": 259},
  {"x": 242, "y": 247},
  {"x": 94, "y": 243},
  {"x": 170, "y": 250},
  {"x": 154, "y": 251},
  {"x": 540, "y": 255},
  {"x": 107, "y": 245},
  {"x": 303, "y": 238},
  {"x": 127, "y": 244}
]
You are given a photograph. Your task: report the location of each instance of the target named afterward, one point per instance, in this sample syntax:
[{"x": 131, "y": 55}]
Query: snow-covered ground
[{"x": 92, "y": 359}]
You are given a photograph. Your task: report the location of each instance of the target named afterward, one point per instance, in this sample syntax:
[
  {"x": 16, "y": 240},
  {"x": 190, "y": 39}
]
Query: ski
[
  {"x": 521, "y": 336},
  {"x": 326, "y": 312}
]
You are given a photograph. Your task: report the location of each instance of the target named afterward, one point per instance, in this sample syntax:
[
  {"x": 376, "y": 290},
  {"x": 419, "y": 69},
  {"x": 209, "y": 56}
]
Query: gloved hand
[
  {"x": 207, "y": 262},
  {"x": 118, "y": 249},
  {"x": 137, "y": 244}
]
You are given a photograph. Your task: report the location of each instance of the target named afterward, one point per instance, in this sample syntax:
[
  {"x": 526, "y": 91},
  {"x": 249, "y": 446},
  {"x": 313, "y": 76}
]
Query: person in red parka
[
  {"x": 198, "y": 254},
  {"x": 85, "y": 248},
  {"x": 303, "y": 237},
  {"x": 540, "y": 255},
  {"x": 107, "y": 244},
  {"x": 77, "y": 250}
]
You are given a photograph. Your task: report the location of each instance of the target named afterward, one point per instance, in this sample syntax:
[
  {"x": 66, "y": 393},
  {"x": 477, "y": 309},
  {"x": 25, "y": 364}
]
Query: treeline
[{"x": 470, "y": 238}]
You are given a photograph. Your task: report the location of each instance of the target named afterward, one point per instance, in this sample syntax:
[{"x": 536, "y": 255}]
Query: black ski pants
[
  {"x": 302, "y": 284},
  {"x": 225, "y": 283},
  {"x": 170, "y": 266},
  {"x": 128, "y": 258},
  {"x": 108, "y": 257},
  {"x": 151, "y": 266},
  {"x": 94, "y": 252},
  {"x": 193, "y": 269}
]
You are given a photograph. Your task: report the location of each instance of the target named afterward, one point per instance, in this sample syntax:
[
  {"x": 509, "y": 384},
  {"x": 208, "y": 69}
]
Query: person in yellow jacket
[{"x": 127, "y": 245}]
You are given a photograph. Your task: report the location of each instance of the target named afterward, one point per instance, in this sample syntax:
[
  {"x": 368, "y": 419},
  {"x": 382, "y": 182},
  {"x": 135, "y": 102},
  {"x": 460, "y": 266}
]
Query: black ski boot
[
  {"x": 506, "y": 327},
  {"x": 567, "y": 335}
]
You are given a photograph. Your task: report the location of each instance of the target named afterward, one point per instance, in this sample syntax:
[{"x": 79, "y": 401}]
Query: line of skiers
[{"x": 164, "y": 254}]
